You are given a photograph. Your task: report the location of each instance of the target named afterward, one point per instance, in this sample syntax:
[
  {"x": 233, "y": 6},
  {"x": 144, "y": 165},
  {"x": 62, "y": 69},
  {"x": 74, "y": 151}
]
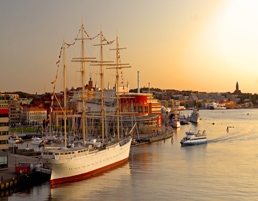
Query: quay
[
  {"x": 10, "y": 181},
  {"x": 154, "y": 137}
]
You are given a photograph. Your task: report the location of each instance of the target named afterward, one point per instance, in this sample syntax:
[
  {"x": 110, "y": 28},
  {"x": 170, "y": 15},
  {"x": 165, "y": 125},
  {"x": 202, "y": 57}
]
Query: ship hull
[
  {"x": 193, "y": 142},
  {"x": 80, "y": 165}
]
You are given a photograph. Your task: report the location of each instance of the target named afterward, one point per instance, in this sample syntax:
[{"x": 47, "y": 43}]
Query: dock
[
  {"x": 11, "y": 181},
  {"x": 154, "y": 137}
]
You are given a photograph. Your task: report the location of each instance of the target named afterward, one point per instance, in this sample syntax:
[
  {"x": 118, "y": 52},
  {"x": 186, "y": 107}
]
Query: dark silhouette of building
[{"x": 237, "y": 91}]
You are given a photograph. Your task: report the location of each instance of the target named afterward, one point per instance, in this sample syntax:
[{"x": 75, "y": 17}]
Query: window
[{"x": 140, "y": 110}]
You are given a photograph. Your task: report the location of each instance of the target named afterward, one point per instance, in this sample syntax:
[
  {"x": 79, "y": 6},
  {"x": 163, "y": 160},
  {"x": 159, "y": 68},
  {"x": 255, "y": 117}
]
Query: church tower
[{"x": 237, "y": 91}]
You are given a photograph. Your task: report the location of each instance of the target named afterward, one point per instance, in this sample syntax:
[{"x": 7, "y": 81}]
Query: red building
[{"x": 145, "y": 109}]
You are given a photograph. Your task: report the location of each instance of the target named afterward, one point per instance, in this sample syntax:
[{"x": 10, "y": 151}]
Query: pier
[{"x": 10, "y": 181}]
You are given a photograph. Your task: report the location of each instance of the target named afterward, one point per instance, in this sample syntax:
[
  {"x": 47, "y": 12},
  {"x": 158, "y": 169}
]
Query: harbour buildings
[{"x": 4, "y": 131}]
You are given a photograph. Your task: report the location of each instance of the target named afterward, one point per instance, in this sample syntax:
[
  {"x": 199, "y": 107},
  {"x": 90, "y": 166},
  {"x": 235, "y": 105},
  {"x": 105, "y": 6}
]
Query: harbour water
[{"x": 223, "y": 169}]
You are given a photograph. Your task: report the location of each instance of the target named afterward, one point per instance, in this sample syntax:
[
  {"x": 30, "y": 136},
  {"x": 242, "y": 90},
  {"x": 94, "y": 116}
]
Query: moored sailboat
[{"x": 77, "y": 162}]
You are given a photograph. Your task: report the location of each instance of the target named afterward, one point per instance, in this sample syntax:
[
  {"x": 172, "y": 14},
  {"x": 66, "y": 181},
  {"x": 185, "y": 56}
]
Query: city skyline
[{"x": 185, "y": 45}]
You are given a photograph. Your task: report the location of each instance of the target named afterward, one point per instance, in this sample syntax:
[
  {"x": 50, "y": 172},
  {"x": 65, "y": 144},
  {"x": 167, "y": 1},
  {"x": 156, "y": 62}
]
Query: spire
[{"x": 237, "y": 91}]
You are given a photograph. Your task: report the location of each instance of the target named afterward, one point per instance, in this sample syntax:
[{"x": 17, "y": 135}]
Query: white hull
[
  {"x": 175, "y": 124},
  {"x": 193, "y": 142},
  {"x": 194, "y": 139},
  {"x": 78, "y": 163},
  {"x": 194, "y": 117},
  {"x": 36, "y": 141}
]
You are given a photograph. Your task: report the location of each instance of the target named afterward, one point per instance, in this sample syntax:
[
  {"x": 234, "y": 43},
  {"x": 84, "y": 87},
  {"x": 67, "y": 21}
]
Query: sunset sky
[{"x": 204, "y": 45}]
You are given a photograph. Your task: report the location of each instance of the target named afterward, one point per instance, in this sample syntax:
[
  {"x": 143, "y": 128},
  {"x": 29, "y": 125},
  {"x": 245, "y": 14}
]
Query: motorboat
[
  {"x": 36, "y": 140},
  {"x": 175, "y": 123},
  {"x": 174, "y": 120},
  {"x": 193, "y": 138},
  {"x": 184, "y": 120},
  {"x": 15, "y": 140}
]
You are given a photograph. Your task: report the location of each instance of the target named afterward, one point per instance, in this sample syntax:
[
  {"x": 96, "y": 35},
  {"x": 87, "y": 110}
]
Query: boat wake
[{"x": 234, "y": 137}]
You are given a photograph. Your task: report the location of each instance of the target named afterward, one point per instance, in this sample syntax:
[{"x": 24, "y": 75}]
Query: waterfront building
[
  {"x": 4, "y": 132},
  {"x": 143, "y": 109},
  {"x": 15, "y": 112},
  {"x": 33, "y": 115}
]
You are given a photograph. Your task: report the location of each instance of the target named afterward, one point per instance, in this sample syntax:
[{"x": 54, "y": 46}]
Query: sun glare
[{"x": 237, "y": 31}]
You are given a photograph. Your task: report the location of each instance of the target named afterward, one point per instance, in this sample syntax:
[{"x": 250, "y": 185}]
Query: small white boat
[
  {"x": 15, "y": 140},
  {"x": 175, "y": 123},
  {"x": 173, "y": 119},
  {"x": 192, "y": 138},
  {"x": 36, "y": 140}
]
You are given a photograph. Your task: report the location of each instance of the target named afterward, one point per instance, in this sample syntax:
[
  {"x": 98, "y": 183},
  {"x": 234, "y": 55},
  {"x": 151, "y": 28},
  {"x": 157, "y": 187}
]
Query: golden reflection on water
[{"x": 223, "y": 169}]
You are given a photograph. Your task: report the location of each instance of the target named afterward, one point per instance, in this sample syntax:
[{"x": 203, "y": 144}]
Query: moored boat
[
  {"x": 192, "y": 138},
  {"x": 195, "y": 116},
  {"x": 15, "y": 140},
  {"x": 36, "y": 140},
  {"x": 174, "y": 119},
  {"x": 175, "y": 123},
  {"x": 184, "y": 120},
  {"x": 217, "y": 106}
]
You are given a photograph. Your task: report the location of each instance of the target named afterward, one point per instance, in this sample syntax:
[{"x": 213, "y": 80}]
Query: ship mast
[
  {"x": 65, "y": 100},
  {"x": 118, "y": 66},
  {"x": 83, "y": 59},
  {"x": 102, "y": 63},
  {"x": 102, "y": 88}
]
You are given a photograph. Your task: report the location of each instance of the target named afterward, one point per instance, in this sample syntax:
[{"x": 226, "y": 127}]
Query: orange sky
[{"x": 186, "y": 45}]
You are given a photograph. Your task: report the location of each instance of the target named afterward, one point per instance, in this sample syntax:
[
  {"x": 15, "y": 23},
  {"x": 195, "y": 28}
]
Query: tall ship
[{"x": 71, "y": 162}]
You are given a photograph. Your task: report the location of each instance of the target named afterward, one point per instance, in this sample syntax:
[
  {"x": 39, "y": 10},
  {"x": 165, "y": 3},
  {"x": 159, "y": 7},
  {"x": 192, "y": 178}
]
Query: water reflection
[{"x": 87, "y": 189}]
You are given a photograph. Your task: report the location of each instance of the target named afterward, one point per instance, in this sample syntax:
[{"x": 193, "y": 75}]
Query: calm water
[{"x": 223, "y": 169}]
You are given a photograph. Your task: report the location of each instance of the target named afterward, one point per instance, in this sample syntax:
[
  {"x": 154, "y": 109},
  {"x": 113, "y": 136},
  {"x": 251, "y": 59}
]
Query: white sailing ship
[{"x": 77, "y": 162}]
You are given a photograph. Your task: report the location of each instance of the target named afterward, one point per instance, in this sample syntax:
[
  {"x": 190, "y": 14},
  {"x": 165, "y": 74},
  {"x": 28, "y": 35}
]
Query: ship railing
[{"x": 125, "y": 141}]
